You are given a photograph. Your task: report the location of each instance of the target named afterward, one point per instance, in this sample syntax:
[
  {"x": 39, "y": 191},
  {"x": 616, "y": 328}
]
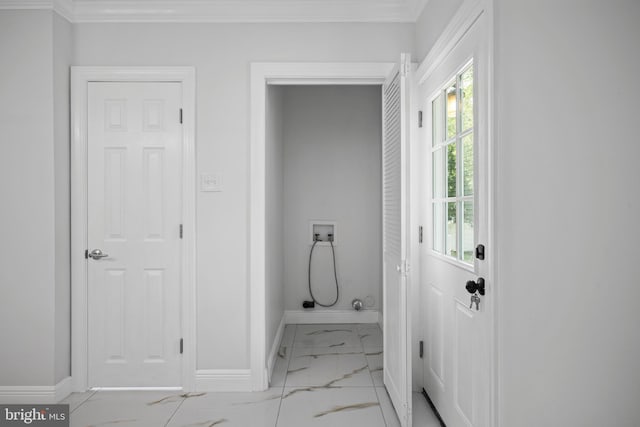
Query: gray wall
[
  {"x": 62, "y": 53},
  {"x": 332, "y": 161},
  {"x": 27, "y": 190},
  {"x": 222, "y": 54},
  {"x": 432, "y": 21},
  {"x": 567, "y": 220},
  {"x": 274, "y": 194}
]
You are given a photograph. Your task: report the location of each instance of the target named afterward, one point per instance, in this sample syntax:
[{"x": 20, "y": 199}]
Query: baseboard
[
  {"x": 331, "y": 316},
  {"x": 63, "y": 389},
  {"x": 273, "y": 354},
  {"x": 223, "y": 380},
  {"x": 35, "y": 394}
]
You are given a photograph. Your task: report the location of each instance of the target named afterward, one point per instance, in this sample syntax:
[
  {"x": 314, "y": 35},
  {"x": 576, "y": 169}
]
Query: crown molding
[
  {"x": 64, "y": 8},
  {"x": 227, "y": 11}
]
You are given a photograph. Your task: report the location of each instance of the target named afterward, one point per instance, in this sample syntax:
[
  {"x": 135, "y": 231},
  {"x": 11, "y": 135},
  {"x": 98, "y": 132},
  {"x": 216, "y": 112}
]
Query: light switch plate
[{"x": 210, "y": 182}]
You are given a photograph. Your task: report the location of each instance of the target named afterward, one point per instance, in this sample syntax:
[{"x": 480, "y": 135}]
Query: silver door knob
[{"x": 97, "y": 254}]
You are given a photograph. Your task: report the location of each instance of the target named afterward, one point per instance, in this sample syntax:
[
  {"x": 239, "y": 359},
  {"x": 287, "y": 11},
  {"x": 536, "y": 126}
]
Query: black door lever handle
[{"x": 475, "y": 286}]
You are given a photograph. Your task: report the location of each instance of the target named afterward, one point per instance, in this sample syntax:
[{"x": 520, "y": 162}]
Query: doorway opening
[
  {"x": 323, "y": 206},
  {"x": 393, "y": 79},
  {"x": 323, "y": 200},
  {"x": 269, "y": 84}
]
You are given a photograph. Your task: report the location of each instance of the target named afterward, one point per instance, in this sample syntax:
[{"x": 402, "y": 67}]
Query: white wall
[
  {"x": 62, "y": 52},
  {"x": 28, "y": 242},
  {"x": 432, "y": 21},
  {"x": 567, "y": 112},
  {"x": 332, "y": 164},
  {"x": 222, "y": 54},
  {"x": 274, "y": 194}
]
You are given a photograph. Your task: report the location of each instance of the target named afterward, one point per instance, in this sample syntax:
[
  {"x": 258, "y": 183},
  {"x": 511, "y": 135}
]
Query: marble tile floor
[{"x": 325, "y": 375}]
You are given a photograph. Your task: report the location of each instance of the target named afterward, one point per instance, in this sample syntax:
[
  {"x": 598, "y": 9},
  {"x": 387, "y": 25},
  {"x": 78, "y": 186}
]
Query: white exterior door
[
  {"x": 134, "y": 216},
  {"x": 457, "y": 334},
  {"x": 396, "y": 330}
]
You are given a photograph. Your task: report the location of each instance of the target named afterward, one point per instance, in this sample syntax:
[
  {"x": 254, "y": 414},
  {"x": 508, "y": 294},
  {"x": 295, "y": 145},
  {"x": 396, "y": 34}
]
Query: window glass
[
  {"x": 466, "y": 92},
  {"x": 467, "y": 165},
  {"x": 452, "y": 230},
  {"x": 438, "y": 173},
  {"x": 452, "y": 170},
  {"x": 438, "y": 227},
  {"x": 452, "y": 160},
  {"x": 452, "y": 113},
  {"x": 467, "y": 232},
  {"x": 438, "y": 120}
]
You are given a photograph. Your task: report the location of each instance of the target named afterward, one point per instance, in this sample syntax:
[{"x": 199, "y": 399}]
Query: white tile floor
[{"x": 325, "y": 375}]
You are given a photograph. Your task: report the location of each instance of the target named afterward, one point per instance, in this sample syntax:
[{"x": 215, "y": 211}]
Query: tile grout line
[
  {"x": 286, "y": 373},
  {"x": 375, "y": 389},
  {"x": 83, "y": 402},
  {"x": 373, "y": 383},
  {"x": 175, "y": 412}
]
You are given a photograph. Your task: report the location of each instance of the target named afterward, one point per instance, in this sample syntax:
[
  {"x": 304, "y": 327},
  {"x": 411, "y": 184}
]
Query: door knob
[
  {"x": 97, "y": 254},
  {"x": 475, "y": 286}
]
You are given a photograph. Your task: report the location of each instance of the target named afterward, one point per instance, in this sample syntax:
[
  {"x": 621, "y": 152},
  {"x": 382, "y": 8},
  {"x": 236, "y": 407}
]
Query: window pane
[
  {"x": 467, "y": 165},
  {"x": 438, "y": 227},
  {"x": 451, "y": 170},
  {"x": 467, "y": 233},
  {"x": 451, "y": 94},
  {"x": 438, "y": 173},
  {"x": 466, "y": 89},
  {"x": 452, "y": 230},
  {"x": 437, "y": 107}
]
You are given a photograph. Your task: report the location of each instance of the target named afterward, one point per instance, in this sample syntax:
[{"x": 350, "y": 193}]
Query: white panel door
[
  {"x": 396, "y": 319},
  {"x": 134, "y": 211},
  {"x": 456, "y": 360}
]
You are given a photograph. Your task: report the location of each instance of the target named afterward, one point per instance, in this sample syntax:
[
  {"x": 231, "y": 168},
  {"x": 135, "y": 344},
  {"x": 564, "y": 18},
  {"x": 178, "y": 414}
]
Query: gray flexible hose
[{"x": 335, "y": 275}]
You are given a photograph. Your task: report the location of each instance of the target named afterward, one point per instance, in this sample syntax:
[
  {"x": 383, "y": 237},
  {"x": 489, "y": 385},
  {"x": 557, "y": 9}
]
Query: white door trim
[
  {"x": 80, "y": 78},
  {"x": 283, "y": 74},
  {"x": 462, "y": 21}
]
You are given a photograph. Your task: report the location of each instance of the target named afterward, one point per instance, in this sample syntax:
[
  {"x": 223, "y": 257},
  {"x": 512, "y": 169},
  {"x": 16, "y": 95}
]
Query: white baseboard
[
  {"x": 35, "y": 394},
  {"x": 273, "y": 354},
  {"x": 331, "y": 316},
  {"x": 223, "y": 380},
  {"x": 63, "y": 389}
]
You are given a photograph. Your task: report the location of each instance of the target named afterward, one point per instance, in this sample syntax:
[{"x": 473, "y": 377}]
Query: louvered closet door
[
  {"x": 397, "y": 364},
  {"x": 134, "y": 211}
]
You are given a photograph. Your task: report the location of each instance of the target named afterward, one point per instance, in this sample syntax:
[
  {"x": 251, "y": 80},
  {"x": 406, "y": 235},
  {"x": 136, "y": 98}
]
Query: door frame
[
  {"x": 80, "y": 79},
  {"x": 292, "y": 73},
  {"x": 468, "y": 13}
]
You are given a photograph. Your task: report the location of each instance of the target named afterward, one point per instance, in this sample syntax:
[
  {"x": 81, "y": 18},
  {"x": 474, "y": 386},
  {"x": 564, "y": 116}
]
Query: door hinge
[
  {"x": 405, "y": 64},
  {"x": 86, "y": 254},
  {"x": 420, "y": 234},
  {"x": 181, "y": 115},
  {"x": 181, "y": 233},
  {"x": 404, "y": 267},
  {"x": 419, "y": 119},
  {"x": 181, "y": 345},
  {"x": 421, "y": 349},
  {"x": 404, "y": 69}
]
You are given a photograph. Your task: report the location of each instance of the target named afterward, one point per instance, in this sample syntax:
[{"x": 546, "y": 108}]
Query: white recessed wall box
[{"x": 324, "y": 229}]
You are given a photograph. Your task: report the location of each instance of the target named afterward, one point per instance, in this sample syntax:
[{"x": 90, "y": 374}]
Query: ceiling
[{"x": 227, "y": 10}]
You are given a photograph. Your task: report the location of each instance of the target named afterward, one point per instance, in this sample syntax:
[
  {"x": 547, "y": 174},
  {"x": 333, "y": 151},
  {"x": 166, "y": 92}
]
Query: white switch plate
[{"x": 210, "y": 182}]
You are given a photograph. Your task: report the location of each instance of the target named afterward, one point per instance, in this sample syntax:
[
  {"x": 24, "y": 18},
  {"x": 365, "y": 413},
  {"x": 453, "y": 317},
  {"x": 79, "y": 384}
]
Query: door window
[{"x": 452, "y": 158}]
